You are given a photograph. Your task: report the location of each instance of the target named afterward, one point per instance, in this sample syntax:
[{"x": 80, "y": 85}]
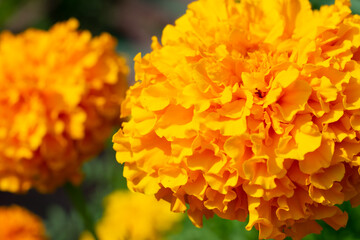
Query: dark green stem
[{"x": 77, "y": 198}]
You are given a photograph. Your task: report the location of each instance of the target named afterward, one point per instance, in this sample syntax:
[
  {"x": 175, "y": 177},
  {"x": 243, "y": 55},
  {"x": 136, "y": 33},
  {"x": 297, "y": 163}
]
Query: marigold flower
[
  {"x": 61, "y": 92},
  {"x": 249, "y": 108},
  {"x": 17, "y": 223},
  {"x": 130, "y": 215}
]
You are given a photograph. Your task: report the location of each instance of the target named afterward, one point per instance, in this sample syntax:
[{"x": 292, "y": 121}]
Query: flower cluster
[
  {"x": 60, "y": 97},
  {"x": 249, "y": 108},
  {"x": 17, "y": 223},
  {"x": 130, "y": 215}
]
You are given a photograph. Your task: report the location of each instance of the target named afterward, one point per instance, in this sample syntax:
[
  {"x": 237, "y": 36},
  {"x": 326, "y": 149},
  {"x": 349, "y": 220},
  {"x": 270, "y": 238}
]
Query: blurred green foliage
[
  {"x": 318, "y": 3},
  {"x": 214, "y": 229},
  {"x": 103, "y": 176},
  {"x": 7, "y": 8}
]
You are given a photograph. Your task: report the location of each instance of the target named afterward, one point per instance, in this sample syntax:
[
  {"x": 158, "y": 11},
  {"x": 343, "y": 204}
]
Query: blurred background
[{"x": 133, "y": 23}]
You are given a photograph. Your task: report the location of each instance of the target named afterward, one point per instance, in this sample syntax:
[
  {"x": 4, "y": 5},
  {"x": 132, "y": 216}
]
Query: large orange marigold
[
  {"x": 249, "y": 108},
  {"x": 60, "y": 97},
  {"x": 17, "y": 223}
]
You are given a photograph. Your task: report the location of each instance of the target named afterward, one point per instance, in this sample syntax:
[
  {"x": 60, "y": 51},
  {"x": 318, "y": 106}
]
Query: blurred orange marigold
[
  {"x": 17, "y": 223},
  {"x": 60, "y": 98},
  {"x": 130, "y": 215},
  {"x": 249, "y": 108}
]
